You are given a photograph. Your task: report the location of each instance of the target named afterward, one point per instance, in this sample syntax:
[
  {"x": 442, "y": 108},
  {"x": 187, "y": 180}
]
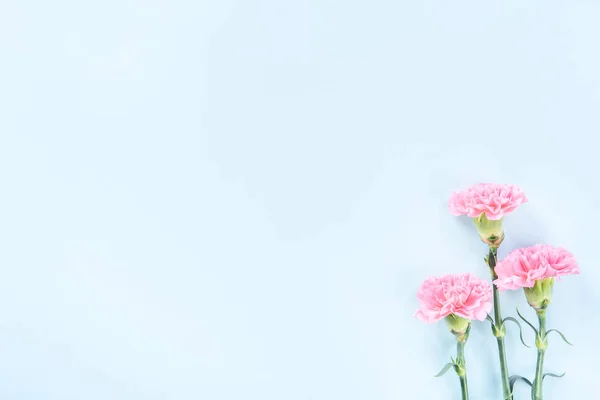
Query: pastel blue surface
[{"x": 226, "y": 200}]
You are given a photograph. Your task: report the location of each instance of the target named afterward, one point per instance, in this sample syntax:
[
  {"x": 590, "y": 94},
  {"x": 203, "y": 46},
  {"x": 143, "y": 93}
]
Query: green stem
[
  {"x": 464, "y": 388},
  {"x": 461, "y": 368},
  {"x": 541, "y": 343},
  {"x": 498, "y": 327},
  {"x": 503, "y": 369}
]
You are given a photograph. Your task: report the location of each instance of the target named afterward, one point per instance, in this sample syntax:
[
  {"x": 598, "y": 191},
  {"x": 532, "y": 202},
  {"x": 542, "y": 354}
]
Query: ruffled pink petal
[
  {"x": 494, "y": 200},
  {"x": 464, "y": 295},
  {"x": 523, "y": 267}
]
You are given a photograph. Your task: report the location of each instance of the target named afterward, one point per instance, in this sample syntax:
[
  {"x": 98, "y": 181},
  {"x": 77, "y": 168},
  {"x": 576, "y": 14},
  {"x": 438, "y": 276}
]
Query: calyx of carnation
[
  {"x": 491, "y": 232},
  {"x": 458, "y": 326},
  {"x": 540, "y": 295}
]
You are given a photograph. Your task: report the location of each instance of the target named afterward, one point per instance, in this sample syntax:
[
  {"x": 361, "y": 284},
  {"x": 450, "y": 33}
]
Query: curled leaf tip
[
  {"x": 561, "y": 335},
  {"x": 520, "y": 329},
  {"x": 552, "y": 375},
  {"x": 527, "y": 322}
]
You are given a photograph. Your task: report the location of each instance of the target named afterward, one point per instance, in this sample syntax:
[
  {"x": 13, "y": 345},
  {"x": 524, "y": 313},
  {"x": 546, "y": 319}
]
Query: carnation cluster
[{"x": 460, "y": 299}]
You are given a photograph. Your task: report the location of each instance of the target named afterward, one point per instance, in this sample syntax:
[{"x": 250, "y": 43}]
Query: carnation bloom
[
  {"x": 463, "y": 295},
  {"x": 523, "y": 267},
  {"x": 534, "y": 269},
  {"x": 487, "y": 204},
  {"x": 493, "y": 200}
]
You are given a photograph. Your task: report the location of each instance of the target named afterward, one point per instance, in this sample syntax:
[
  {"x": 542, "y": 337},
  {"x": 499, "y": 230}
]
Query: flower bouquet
[{"x": 461, "y": 299}]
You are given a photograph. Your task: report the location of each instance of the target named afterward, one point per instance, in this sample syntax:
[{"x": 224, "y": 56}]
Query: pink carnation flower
[
  {"x": 464, "y": 295},
  {"x": 492, "y": 199},
  {"x": 522, "y": 267}
]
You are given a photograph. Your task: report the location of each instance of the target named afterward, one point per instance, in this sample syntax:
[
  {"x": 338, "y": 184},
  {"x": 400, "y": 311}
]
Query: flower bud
[
  {"x": 459, "y": 326},
  {"x": 490, "y": 231},
  {"x": 540, "y": 295}
]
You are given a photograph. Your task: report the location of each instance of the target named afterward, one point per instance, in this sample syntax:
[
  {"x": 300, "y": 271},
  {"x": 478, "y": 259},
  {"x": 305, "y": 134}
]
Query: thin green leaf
[
  {"x": 445, "y": 369},
  {"x": 520, "y": 329},
  {"x": 561, "y": 335},
  {"x": 513, "y": 379},
  {"x": 552, "y": 375},
  {"x": 527, "y": 322},
  {"x": 489, "y": 318}
]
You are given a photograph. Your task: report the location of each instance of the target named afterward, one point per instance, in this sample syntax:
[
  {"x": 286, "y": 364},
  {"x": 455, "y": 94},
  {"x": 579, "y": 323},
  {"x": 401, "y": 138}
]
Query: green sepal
[
  {"x": 445, "y": 369},
  {"x": 553, "y": 375},
  {"x": 527, "y": 322},
  {"x": 520, "y": 329},
  {"x": 561, "y": 335}
]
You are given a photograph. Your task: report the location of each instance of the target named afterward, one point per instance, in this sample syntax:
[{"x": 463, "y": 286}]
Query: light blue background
[{"x": 228, "y": 200}]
